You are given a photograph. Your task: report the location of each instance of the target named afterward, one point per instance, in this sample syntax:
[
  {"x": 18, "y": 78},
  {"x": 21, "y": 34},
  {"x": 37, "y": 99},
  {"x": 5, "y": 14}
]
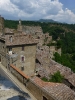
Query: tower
[
  {"x": 1, "y": 24},
  {"x": 19, "y": 21},
  {"x": 19, "y": 28}
]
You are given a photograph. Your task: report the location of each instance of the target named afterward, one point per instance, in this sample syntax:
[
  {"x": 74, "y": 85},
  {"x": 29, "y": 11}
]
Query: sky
[{"x": 58, "y": 10}]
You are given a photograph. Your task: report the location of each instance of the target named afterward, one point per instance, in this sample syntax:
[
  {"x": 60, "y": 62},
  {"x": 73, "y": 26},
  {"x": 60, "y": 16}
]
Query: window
[
  {"x": 10, "y": 38},
  {"x": 38, "y": 47},
  {"x": 22, "y": 68},
  {"x": 44, "y": 98},
  {"x": 22, "y": 59},
  {"x": 10, "y": 49},
  {"x": 3, "y": 46},
  {"x": 0, "y": 58},
  {"x": 38, "y": 37},
  {"x": 22, "y": 48},
  {"x": 71, "y": 86}
]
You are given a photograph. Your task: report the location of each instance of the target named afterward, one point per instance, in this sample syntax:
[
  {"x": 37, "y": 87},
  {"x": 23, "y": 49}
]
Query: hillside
[{"x": 47, "y": 20}]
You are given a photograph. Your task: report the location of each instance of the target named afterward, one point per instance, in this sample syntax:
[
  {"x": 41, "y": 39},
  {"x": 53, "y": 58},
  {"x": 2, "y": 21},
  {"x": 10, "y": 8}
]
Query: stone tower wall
[{"x": 1, "y": 24}]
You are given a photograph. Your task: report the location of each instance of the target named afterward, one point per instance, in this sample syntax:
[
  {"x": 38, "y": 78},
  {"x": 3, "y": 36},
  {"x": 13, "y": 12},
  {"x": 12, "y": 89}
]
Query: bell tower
[
  {"x": 19, "y": 28},
  {"x": 19, "y": 21}
]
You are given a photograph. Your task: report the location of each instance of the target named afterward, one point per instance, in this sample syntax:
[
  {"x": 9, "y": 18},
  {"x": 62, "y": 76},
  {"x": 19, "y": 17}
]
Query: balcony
[{"x": 11, "y": 54}]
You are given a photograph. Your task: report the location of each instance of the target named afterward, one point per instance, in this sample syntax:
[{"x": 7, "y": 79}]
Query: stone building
[
  {"x": 18, "y": 50},
  {"x": 1, "y": 24},
  {"x": 29, "y": 29}
]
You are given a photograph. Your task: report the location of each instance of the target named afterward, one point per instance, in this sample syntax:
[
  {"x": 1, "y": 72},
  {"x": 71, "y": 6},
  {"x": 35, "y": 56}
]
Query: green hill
[{"x": 47, "y": 21}]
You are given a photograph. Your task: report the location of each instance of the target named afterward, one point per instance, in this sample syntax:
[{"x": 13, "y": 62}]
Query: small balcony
[{"x": 11, "y": 54}]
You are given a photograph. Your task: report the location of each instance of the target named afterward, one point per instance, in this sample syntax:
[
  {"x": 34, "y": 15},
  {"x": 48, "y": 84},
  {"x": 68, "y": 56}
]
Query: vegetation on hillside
[
  {"x": 57, "y": 78},
  {"x": 66, "y": 60}
]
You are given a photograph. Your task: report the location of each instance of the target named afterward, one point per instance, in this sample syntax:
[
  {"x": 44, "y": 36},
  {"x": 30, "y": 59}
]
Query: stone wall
[
  {"x": 15, "y": 73},
  {"x": 32, "y": 87},
  {"x": 28, "y": 55},
  {"x": 3, "y": 53},
  {"x": 1, "y": 24},
  {"x": 30, "y": 29}
]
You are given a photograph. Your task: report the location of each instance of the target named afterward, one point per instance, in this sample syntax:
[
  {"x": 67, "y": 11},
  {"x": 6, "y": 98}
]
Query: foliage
[
  {"x": 59, "y": 44},
  {"x": 65, "y": 59},
  {"x": 51, "y": 44},
  {"x": 57, "y": 77},
  {"x": 45, "y": 79},
  {"x": 11, "y": 24}
]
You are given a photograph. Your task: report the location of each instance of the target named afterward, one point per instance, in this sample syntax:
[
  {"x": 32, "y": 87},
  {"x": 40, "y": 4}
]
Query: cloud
[
  {"x": 36, "y": 9},
  {"x": 66, "y": 16},
  {"x": 7, "y": 8}
]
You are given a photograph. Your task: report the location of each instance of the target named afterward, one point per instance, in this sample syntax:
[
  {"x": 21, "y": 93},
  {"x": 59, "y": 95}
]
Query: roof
[
  {"x": 68, "y": 74},
  {"x": 71, "y": 78},
  {"x": 56, "y": 90},
  {"x": 20, "y": 40},
  {"x": 8, "y": 30}
]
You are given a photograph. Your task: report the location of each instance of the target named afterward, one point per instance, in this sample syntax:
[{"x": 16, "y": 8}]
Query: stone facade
[
  {"x": 1, "y": 25},
  {"x": 24, "y": 59},
  {"x": 17, "y": 51},
  {"x": 36, "y": 32}
]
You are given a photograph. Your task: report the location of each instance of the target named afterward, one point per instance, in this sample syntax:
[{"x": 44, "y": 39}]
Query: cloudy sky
[{"x": 58, "y": 10}]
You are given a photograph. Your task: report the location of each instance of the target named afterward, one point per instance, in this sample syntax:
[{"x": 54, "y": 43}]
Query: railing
[{"x": 13, "y": 55}]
